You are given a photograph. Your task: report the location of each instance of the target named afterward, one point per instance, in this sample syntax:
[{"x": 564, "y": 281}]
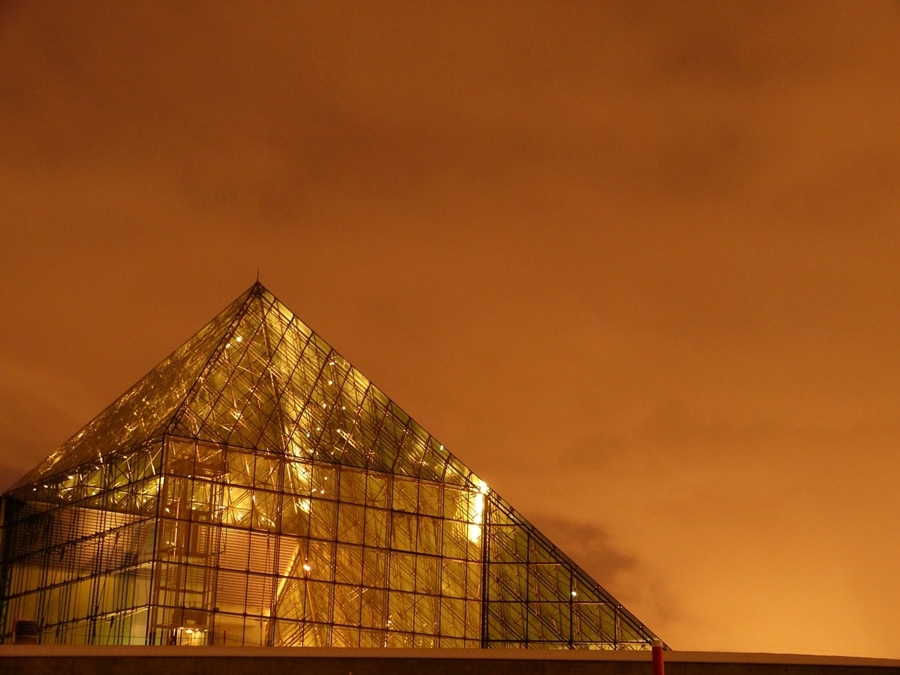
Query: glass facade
[{"x": 256, "y": 489}]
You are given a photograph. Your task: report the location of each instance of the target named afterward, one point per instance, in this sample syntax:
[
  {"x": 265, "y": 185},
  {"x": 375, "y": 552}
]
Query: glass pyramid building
[{"x": 256, "y": 489}]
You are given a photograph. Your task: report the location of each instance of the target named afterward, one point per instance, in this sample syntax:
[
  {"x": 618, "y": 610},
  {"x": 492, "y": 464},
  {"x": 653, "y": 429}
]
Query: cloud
[
  {"x": 635, "y": 262},
  {"x": 619, "y": 572}
]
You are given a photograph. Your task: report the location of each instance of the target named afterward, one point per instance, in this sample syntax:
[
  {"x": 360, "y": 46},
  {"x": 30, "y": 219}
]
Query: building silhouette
[{"x": 256, "y": 489}]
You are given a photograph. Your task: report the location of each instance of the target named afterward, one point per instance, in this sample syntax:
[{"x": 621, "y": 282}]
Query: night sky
[{"x": 636, "y": 264}]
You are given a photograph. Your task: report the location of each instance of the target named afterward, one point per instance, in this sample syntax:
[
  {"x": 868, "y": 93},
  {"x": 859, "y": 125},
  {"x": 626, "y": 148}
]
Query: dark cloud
[{"x": 592, "y": 548}]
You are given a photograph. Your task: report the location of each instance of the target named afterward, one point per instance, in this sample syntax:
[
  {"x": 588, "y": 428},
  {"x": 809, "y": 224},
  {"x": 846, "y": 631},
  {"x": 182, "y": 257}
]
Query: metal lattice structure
[{"x": 256, "y": 489}]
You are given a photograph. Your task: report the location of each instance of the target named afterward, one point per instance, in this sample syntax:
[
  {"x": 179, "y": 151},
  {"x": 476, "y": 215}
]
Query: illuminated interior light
[
  {"x": 574, "y": 593},
  {"x": 306, "y": 567},
  {"x": 477, "y": 516},
  {"x": 330, "y": 382},
  {"x": 239, "y": 338}
]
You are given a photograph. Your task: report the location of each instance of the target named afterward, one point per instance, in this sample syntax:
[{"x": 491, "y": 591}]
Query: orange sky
[{"x": 637, "y": 264}]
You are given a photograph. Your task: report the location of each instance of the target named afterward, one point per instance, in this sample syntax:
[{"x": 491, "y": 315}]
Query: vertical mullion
[{"x": 485, "y": 555}]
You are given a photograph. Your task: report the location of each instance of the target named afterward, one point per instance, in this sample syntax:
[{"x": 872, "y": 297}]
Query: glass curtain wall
[{"x": 78, "y": 551}]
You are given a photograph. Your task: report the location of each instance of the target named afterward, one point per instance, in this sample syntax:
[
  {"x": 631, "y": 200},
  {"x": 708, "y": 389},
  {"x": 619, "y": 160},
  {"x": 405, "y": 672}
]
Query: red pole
[{"x": 658, "y": 667}]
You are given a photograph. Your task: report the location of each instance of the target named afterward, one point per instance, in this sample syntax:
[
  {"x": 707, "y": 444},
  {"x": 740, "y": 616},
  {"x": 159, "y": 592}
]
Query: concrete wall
[{"x": 81, "y": 660}]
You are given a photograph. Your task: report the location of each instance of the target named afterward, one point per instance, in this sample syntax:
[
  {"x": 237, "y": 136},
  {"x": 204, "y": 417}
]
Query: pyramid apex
[{"x": 256, "y": 290}]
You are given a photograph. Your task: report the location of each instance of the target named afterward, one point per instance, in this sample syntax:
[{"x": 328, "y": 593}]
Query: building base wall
[{"x": 67, "y": 660}]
